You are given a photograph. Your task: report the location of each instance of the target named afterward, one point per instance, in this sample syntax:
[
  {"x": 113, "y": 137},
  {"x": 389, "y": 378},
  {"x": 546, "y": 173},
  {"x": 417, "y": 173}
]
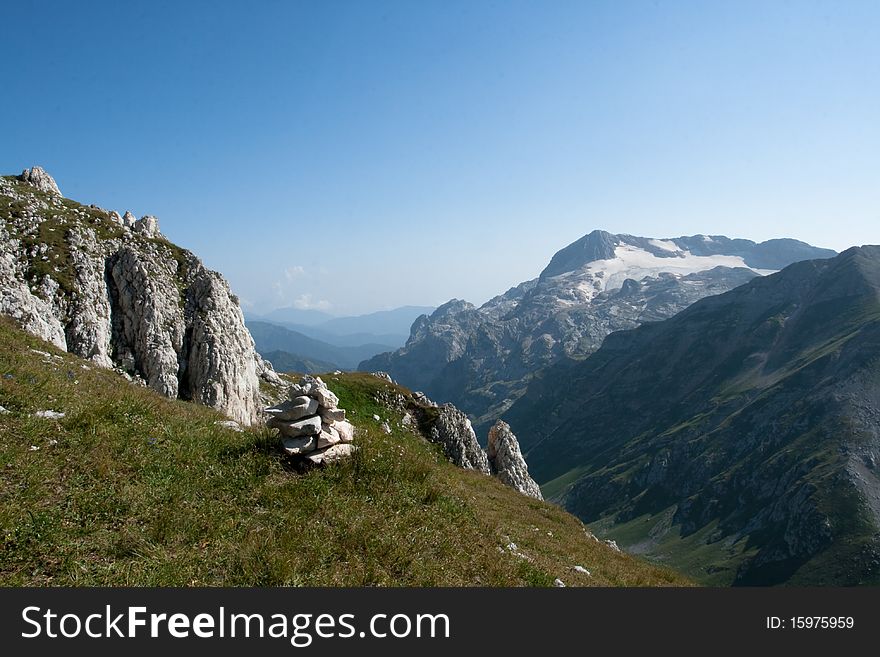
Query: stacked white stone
[{"x": 312, "y": 425}]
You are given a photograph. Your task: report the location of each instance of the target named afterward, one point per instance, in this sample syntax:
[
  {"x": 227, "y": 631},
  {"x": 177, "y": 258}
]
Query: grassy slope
[{"x": 141, "y": 490}]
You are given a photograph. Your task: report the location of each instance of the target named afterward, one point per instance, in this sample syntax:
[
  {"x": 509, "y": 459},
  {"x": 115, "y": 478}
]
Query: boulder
[
  {"x": 328, "y": 436},
  {"x": 308, "y": 427},
  {"x": 333, "y": 414},
  {"x": 345, "y": 430},
  {"x": 325, "y": 398},
  {"x": 301, "y": 445},
  {"x": 293, "y": 409},
  {"x": 331, "y": 454}
]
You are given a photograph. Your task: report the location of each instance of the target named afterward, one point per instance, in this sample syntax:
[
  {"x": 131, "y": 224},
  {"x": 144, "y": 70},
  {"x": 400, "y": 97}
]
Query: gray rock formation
[
  {"x": 452, "y": 429},
  {"x": 38, "y": 178},
  {"x": 75, "y": 276},
  {"x": 507, "y": 463},
  {"x": 147, "y": 226},
  {"x": 308, "y": 434},
  {"x": 33, "y": 312}
]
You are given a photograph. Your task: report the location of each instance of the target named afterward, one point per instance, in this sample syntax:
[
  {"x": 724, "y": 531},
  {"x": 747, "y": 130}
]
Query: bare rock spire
[
  {"x": 38, "y": 177},
  {"x": 507, "y": 462}
]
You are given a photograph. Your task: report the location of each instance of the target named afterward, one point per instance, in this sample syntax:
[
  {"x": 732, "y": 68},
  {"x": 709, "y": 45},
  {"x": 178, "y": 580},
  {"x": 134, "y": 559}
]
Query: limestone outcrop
[
  {"x": 111, "y": 289},
  {"x": 507, "y": 463},
  {"x": 452, "y": 429},
  {"x": 37, "y": 177}
]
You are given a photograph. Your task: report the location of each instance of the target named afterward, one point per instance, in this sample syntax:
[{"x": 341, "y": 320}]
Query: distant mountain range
[
  {"x": 481, "y": 359},
  {"x": 322, "y": 343},
  {"x": 737, "y": 441}
]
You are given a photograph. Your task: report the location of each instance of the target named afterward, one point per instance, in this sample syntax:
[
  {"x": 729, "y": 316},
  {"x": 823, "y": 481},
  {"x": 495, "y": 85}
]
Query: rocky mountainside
[
  {"x": 140, "y": 490},
  {"x": 481, "y": 359},
  {"x": 739, "y": 440},
  {"x": 112, "y": 289}
]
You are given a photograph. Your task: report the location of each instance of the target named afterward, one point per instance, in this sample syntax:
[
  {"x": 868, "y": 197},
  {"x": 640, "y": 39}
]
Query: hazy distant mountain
[
  {"x": 294, "y": 316},
  {"x": 397, "y": 321},
  {"x": 283, "y": 361},
  {"x": 481, "y": 359},
  {"x": 271, "y": 337},
  {"x": 389, "y": 328},
  {"x": 739, "y": 440}
]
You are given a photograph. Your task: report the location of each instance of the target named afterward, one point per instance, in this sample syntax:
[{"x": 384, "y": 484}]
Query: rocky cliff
[
  {"x": 112, "y": 289},
  {"x": 507, "y": 462},
  {"x": 481, "y": 359},
  {"x": 738, "y": 440}
]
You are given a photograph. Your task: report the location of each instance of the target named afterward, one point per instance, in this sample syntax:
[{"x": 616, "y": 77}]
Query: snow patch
[
  {"x": 633, "y": 262},
  {"x": 666, "y": 245}
]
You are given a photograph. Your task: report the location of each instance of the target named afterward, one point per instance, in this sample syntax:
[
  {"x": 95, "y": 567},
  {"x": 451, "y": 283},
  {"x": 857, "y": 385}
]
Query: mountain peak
[
  {"x": 597, "y": 245},
  {"x": 38, "y": 177}
]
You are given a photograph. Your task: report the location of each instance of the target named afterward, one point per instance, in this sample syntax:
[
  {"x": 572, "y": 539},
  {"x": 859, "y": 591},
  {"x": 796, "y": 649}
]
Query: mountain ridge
[
  {"x": 738, "y": 439},
  {"x": 481, "y": 359}
]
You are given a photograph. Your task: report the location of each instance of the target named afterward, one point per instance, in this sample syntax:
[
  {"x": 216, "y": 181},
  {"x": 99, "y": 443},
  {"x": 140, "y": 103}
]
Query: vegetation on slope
[{"x": 129, "y": 488}]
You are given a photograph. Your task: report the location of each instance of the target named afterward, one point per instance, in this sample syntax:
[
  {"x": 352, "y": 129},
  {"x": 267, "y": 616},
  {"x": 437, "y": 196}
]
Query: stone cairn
[{"x": 313, "y": 428}]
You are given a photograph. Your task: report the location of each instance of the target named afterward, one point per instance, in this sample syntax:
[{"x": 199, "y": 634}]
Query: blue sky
[{"x": 354, "y": 156}]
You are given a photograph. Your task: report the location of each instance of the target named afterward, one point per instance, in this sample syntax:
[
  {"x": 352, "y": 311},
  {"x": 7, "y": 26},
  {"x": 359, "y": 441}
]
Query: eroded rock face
[
  {"x": 454, "y": 432},
  {"x": 37, "y": 177},
  {"x": 110, "y": 289},
  {"x": 221, "y": 364},
  {"x": 32, "y": 312},
  {"x": 507, "y": 463}
]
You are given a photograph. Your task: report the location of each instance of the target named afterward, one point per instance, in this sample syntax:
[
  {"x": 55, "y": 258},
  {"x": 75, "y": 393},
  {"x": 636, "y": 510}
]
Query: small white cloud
[
  {"x": 305, "y": 302},
  {"x": 292, "y": 273}
]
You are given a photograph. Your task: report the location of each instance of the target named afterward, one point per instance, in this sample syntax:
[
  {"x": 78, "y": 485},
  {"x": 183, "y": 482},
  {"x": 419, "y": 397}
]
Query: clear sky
[{"x": 362, "y": 155}]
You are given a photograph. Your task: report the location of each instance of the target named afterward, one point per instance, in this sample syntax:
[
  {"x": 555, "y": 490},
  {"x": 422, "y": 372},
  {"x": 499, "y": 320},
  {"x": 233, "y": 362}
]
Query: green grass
[
  {"x": 713, "y": 562},
  {"x": 141, "y": 490}
]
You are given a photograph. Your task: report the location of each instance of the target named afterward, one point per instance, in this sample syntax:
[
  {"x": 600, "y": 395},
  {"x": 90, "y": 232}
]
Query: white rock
[
  {"x": 331, "y": 454},
  {"x": 453, "y": 431},
  {"x": 581, "y": 569},
  {"x": 507, "y": 463},
  {"x": 147, "y": 225},
  {"x": 49, "y": 415},
  {"x": 293, "y": 409},
  {"x": 613, "y": 545},
  {"x": 558, "y": 583},
  {"x": 377, "y": 418},
  {"x": 128, "y": 219},
  {"x": 38, "y": 177},
  {"x": 333, "y": 414},
  {"x": 230, "y": 424},
  {"x": 386, "y": 427},
  {"x": 345, "y": 430},
  {"x": 3, "y": 411},
  {"x": 308, "y": 427},
  {"x": 328, "y": 437},
  {"x": 325, "y": 398},
  {"x": 298, "y": 446}
]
